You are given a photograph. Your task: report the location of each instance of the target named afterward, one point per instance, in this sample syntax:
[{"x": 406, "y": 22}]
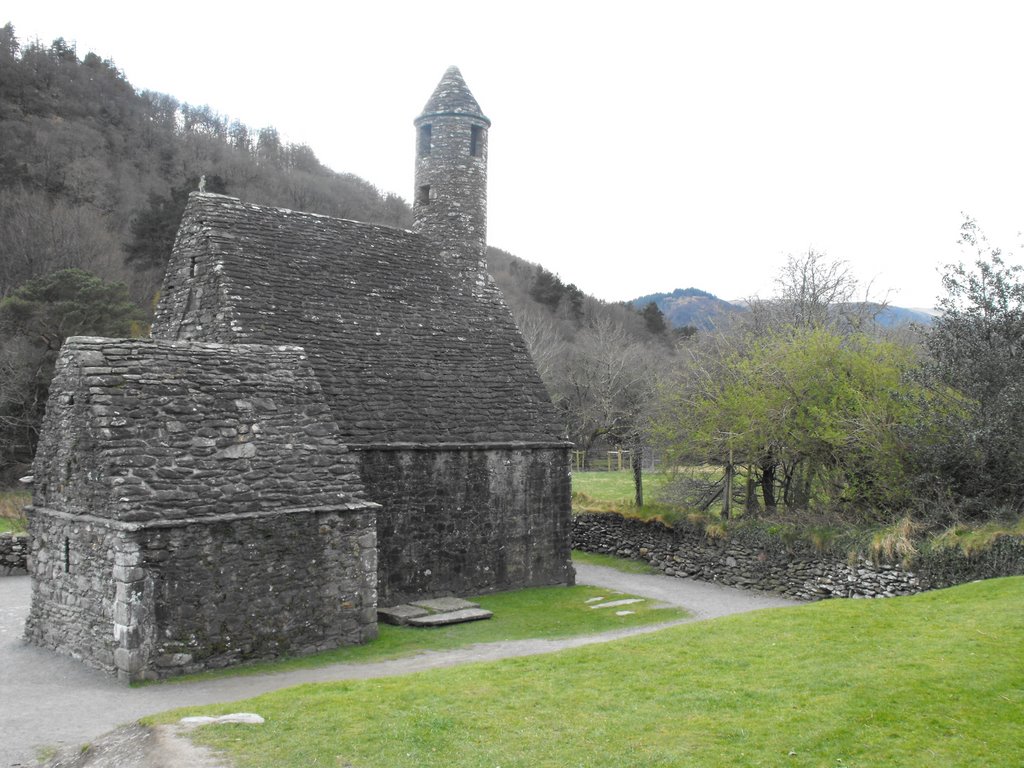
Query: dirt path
[{"x": 51, "y": 701}]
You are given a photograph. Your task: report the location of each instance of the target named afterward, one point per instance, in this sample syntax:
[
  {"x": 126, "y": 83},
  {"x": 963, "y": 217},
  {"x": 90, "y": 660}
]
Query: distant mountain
[
  {"x": 705, "y": 311},
  {"x": 692, "y": 306},
  {"x": 891, "y": 317}
]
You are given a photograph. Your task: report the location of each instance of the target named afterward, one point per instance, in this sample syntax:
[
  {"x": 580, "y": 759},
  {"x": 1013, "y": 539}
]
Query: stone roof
[
  {"x": 138, "y": 430},
  {"x": 406, "y": 348},
  {"x": 452, "y": 97}
]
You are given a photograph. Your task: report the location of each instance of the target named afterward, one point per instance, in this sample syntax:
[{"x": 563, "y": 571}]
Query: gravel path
[{"x": 48, "y": 700}]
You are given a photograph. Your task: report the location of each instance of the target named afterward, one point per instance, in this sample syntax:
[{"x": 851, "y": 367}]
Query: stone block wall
[
  {"x": 753, "y": 560},
  {"x": 157, "y": 600},
  {"x": 467, "y": 520},
  {"x": 73, "y": 587},
  {"x": 13, "y": 554}
]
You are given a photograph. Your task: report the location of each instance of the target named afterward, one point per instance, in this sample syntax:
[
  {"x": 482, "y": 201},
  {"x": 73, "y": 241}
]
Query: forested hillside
[{"x": 94, "y": 174}]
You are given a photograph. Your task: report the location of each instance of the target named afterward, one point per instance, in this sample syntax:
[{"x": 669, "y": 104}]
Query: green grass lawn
[
  {"x": 12, "y": 515},
  {"x": 542, "y": 612},
  {"x": 614, "y": 492},
  {"x": 610, "y": 561},
  {"x": 932, "y": 680}
]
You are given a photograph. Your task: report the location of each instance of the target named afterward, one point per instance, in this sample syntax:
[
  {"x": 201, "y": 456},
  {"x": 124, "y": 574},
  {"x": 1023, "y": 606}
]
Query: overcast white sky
[{"x": 636, "y": 147}]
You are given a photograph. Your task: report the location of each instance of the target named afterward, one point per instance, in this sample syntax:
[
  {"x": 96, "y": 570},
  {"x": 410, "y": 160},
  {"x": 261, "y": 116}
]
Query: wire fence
[{"x": 613, "y": 460}]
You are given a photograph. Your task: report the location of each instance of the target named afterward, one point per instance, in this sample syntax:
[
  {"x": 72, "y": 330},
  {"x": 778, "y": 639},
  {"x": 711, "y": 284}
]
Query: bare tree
[{"x": 812, "y": 291}]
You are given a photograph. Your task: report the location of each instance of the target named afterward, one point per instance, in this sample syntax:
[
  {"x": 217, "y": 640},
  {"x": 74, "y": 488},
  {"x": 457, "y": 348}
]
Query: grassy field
[
  {"x": 930, "y": 680},
  {"x": 544, "y": 612},
  {"x": 613, "y": 492},
  {"x": 12, "y": 516}
]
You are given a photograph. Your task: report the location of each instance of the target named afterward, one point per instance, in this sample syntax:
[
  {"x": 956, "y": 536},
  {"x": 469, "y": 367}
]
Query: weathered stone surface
[
  {"x": 443, "y": 604},
  {"x": 469, "y": 521},
  {"x": 399, "y": 615},
  {"x": 13, "y": 554},
  {"x": 618, "y": 603},
  {"x": 450, "y": 617}
]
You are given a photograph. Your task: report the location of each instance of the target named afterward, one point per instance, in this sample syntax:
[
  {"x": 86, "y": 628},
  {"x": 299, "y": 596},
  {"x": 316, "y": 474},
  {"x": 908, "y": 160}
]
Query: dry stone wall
[
  {"x": 753, "y": 560},
  {"x": 13, "y": 554},
  {"x": 462, "y": 521}
]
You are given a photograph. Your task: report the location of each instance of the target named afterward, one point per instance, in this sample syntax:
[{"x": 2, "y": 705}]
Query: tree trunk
[
  {"x": 768, "y": 486},
  {"x": 727, "y": 492},
  {"x": 752, "y": 507},
  {"x": 636, "y": 459}
]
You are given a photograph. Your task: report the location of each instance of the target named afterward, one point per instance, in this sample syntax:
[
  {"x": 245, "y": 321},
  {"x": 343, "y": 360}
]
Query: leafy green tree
[
  {"x": 976, "y": 346},
  {"x": 34, "y": 322},
  {"x": 821, "y": 418}
]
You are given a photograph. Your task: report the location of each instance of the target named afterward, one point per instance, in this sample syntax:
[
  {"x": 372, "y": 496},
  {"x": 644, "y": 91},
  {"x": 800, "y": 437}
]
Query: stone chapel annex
[{"x": 330, "y": 416}]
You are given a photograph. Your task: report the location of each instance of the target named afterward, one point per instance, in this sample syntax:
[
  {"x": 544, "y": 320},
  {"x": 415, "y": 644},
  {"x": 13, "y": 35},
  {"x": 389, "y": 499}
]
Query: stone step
[
  {"x": 444, "y": 604},
  {"x": 450, "y": 617}
]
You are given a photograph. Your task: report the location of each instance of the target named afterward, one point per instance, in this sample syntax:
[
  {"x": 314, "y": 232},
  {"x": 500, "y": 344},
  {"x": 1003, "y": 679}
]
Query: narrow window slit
[
  {"x": 423, "y": 195},
  {"x": 476, "y": 134}
]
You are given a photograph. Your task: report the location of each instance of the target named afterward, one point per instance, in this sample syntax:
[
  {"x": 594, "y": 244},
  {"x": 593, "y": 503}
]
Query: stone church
[{"x": 330, "y": 416}]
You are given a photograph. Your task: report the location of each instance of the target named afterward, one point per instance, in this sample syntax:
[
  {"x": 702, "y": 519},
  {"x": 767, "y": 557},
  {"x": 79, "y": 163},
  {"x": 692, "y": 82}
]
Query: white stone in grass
[
  {"x": 617, "y": 603},
  {"x": 594, "y": 599},
  {"x": 235, "y": 717},
  {"x": 625, "y": 613}
]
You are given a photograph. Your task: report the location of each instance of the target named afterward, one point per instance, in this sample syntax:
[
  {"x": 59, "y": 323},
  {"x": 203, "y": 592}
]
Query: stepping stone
[
  {"x": 594, "y": 600},
  {"x": 617, "y": 603},
  {"x": 450, "y": 617},
  {"x": 400, "y": 614},
  {"x": 444, "y": 604}
]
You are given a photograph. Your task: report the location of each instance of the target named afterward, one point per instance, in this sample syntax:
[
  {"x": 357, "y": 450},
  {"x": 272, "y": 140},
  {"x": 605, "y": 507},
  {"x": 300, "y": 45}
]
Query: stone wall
[
  {"x": 755, "y": 560},
  {"x": 148, "y": 601},
  {"x": 73, "y": 587},
  {"x": 13, "y": 554},
  {"x": 467, "y": 520}
]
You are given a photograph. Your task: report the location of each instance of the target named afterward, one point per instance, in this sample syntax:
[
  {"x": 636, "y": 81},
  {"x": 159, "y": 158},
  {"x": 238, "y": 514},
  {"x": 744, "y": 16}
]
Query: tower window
[
  {"x": 476, "y": 136},
  {"x": 423, "y": 147},
  {"x": 423, "y": 195}
]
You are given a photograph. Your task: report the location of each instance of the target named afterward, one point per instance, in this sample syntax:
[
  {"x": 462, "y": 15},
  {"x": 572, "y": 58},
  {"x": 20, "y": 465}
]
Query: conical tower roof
[{"x": 452, "y": 97}]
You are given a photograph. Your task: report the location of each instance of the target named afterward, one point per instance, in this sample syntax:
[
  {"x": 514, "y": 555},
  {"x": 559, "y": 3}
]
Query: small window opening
[
  {"x": 476, "y": 135},
  {"x": 67, "y": 555},
  {"x": 192, "y": 267},
  {"x": 424, "y": 142},
  {"x": 423, "y": 195}
]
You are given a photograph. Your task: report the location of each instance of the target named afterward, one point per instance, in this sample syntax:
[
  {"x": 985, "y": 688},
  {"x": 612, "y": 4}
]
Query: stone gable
[{"x": 404, "y": 348}]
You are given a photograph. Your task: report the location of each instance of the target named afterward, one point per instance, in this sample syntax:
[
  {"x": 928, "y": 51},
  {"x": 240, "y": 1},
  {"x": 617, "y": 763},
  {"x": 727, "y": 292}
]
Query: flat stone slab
[
  {"x": 450, "y": 617},
  {"x": 400, "y": 614},
  {"x": 617, "y": 603},
  {"x": 444, "y": 604}
]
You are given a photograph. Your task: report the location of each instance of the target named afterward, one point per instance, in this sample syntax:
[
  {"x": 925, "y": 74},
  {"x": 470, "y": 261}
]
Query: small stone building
[
  {"x": 237, "y": 530},
  {"x": 195, "y": 507}
]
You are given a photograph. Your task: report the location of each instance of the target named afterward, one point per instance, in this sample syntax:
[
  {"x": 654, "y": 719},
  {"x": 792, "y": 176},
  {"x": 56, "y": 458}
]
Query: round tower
[{"x": 450, "y": 200}]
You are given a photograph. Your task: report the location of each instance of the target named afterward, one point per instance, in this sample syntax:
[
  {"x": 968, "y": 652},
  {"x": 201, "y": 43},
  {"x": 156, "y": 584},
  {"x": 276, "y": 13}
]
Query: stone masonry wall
[
  {"x": 796, "y": 569},
  {"x": 258, "y": 588},
  {"x": 153, "y": 601},
  {"x": 13, "y": 554},
  {"x": 463, "y": 521},
  {"x": 73, "y": 588}
]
